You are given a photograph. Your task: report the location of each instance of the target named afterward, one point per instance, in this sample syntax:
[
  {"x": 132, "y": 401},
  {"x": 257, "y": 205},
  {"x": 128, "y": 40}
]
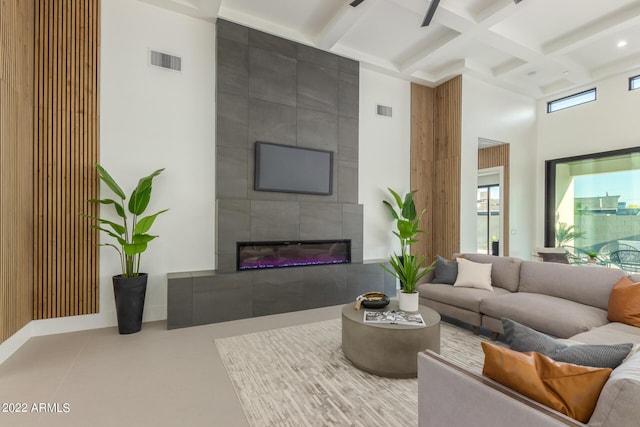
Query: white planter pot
[{"x": 408, "y": 301}]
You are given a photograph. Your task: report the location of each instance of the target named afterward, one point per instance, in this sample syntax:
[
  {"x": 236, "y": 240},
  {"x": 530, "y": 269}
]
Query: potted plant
[
  {"x": 407, "y": 268},
  {"x": 495, "y": 245},
  {"x": 131, "y": 236},
  {"x": 593, "y": 257},
  {"x": 566, "y": 233}
]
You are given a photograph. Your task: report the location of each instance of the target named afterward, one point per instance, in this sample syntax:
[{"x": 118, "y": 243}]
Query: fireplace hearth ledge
[{"x": 203, "y": 297}]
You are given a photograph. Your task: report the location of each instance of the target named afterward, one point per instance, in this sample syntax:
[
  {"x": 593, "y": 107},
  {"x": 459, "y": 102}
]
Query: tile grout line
[{"x": 71, "y": 366}]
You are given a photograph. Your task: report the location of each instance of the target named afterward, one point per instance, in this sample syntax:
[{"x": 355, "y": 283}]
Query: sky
[{"x": 626, "y": 184}]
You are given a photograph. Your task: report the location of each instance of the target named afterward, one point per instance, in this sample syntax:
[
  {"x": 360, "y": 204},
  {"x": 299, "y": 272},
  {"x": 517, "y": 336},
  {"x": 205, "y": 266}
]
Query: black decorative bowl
[{"x": 375, "y": 300}]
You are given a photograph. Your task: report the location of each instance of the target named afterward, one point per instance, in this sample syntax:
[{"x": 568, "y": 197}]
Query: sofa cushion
[
  {"x": 570, "y": 389},
  {"x": 473, "y": 275},
  {"x": 588, "y": 285},
  {"x": 521, "y": 338},
  {"x": 445, "y": 272},
  {"x": 505, "y": 271},
  {"x": 618, "y": 402},
  {"x": 611, "y": 333},
  {"x": 624, "y": 302},
  {"x": 467, "y": 298},
  {"x": 555, "y": 316}
]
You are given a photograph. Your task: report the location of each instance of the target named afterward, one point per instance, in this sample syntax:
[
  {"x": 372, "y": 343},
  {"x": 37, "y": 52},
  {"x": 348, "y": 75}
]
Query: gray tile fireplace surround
[
  {"x": 275, "y": 90},
  {"x": 202, "y": 297}
]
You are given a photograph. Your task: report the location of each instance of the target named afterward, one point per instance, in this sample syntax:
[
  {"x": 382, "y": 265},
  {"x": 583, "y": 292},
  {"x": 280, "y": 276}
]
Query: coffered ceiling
[{"x": 535, "y": 47}]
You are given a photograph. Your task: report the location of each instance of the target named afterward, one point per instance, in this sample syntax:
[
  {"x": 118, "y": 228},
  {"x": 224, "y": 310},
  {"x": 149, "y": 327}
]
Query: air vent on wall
[
  {"x": 383, "y": 110},
  {"x": 164, "y": 60}
]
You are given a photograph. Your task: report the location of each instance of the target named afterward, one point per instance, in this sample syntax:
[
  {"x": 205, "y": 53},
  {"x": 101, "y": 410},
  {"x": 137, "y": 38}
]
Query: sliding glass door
[
  {"x": 488, "y": 214},
  {"x": 593, "y": 205}
]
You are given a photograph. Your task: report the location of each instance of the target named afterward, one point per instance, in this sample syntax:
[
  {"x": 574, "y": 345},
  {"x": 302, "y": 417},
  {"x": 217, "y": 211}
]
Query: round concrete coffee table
[{"x": 384, "y": 349}]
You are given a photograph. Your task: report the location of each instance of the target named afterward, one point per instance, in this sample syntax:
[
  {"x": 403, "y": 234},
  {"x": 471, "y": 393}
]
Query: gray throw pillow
[
  {"x": 523, "y": 338},
  {"x": 598, "y": 356},
  {"x": 445, "y": 272}
]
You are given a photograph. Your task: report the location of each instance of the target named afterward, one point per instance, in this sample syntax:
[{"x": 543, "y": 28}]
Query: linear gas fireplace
[{"x": 257, "y": 255}]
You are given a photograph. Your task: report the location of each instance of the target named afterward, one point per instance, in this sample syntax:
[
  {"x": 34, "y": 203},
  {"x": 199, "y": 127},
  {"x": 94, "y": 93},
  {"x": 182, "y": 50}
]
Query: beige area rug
[{"x": 298, "y": 376}]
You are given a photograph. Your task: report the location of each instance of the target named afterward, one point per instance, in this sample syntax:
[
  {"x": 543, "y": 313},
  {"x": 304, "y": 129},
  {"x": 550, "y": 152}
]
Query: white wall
[
  {"x": 497, "y": 114},
  {"x": 384, "y": 159},
  {"x": 152, "y": 118},
  {"x": 609, "y": 123}
]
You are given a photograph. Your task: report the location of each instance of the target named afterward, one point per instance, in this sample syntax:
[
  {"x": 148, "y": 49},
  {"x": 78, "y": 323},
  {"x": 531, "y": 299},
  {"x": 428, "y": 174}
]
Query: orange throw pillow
[
  {"x": 624, "y": 302},
  {"x": 570, "y": 389}
]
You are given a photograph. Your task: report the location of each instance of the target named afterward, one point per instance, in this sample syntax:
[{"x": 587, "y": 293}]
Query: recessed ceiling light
[{"x": 622, "y": 43}]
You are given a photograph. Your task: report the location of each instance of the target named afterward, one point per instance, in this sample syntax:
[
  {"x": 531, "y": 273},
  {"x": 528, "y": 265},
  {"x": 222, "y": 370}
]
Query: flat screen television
[{"x": 289, "y": 169}]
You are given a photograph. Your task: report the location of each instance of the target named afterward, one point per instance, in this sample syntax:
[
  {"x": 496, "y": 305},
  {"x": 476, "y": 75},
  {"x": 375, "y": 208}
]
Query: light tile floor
[{"x": 153, "y": 378}]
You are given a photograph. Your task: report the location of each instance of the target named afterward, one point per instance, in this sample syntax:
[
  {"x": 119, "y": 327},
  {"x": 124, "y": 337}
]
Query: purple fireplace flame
[{"x": 257, "y": 255}]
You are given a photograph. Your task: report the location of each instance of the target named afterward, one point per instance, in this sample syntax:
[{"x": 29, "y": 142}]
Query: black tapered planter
[{"x": 129, "y": 293}]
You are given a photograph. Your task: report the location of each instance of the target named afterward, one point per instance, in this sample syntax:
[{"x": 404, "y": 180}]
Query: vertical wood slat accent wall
[
  {"x": 499, "y": 156},
  {"x": 435, "y": 164},
  {"x": 422, "y": 173},
  {"x": 16, "y": 170},
  {"x": 447, "y": 152},
  {"x": 67, "y": 53}
]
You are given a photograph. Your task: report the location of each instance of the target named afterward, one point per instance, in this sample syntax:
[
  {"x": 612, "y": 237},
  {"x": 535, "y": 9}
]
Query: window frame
[
  {"x": 550, "y": 187},
  {"x": 575, "y": 95},
  {"x": 632, "y": 80}
]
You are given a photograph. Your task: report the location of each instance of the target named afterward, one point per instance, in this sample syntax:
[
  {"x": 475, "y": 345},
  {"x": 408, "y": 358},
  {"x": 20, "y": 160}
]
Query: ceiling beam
[
  {"x": 205, "y": 10},
  {"x": 626, "y": 64},
  {"x": 474, "y": 31},
  {"x": 612, "y": 23},
  {"x": 339, "y": 24},
  {"x": 252, "y": 21}
]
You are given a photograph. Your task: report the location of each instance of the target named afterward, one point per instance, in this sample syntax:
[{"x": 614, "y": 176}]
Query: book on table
[{"x": 394, "y": 317}]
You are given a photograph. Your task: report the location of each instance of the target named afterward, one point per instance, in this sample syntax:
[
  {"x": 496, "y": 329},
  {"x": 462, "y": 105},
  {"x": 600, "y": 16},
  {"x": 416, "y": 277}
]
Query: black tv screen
[{"x": 290, "y": 169}]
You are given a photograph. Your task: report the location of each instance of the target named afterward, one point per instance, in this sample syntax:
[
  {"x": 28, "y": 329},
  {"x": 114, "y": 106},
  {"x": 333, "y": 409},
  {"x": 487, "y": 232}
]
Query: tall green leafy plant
[
  {"x": 407, "y": 268},
  {"x": 132, "y": 232},
  {"x": 407, "y": 219}
]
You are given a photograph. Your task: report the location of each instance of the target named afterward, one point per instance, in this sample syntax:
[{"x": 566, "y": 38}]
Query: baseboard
[
  {"x": 14, "y": 342},
  {"x": 87, "y": 322},
  {"x": 62, "y": 325}
]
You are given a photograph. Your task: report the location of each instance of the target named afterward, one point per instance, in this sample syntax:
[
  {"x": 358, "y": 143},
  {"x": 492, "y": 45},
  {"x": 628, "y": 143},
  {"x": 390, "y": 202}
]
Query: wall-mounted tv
[{"x": 289, "y": 169}]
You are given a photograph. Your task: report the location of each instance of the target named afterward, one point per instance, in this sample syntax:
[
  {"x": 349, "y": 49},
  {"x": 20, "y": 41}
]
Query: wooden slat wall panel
[
  {"x": 446, "y": 164},
  {"x": 422, "y": 174},
  {"x": 436, "y": 123},
  {"x": 16, "y": 167},
  {"x": 492, "y": 157},
  {"x": 66, "y": 276}
]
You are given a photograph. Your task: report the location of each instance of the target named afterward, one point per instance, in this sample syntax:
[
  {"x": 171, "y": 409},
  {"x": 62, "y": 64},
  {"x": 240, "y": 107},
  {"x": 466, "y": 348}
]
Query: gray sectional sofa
[
  {"x": 449, "y": 395},
  {"x": 558, "y": 299},
  {"x": 561, "y": 300}
]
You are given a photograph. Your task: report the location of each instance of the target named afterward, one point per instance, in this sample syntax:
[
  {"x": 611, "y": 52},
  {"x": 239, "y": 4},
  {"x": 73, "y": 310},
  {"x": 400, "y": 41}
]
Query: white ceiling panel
[
  {"x": 607, "y": 49},
  {"x": 541, "y": 21},
  {"x": 535, "y": 47},
  {"x": 387, "y": 31}
]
